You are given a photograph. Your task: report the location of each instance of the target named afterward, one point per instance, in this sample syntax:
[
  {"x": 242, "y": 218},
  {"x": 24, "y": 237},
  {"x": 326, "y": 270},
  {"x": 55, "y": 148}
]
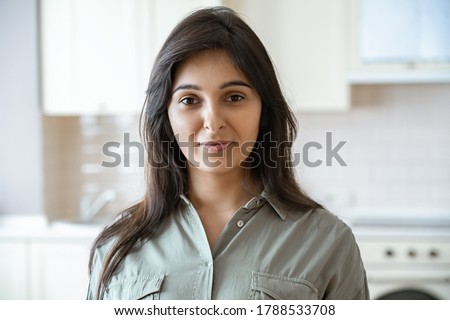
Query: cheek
[
  {"x": 249, "y": 124},
  {"x": 184, "y": 128},
  {"x": 173, "y": 120},
  {"x": 178, "y": 123}
]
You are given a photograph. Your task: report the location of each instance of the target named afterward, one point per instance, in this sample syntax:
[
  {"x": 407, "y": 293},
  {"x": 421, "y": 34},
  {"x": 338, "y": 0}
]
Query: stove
[{"x": 405, "y": 258}]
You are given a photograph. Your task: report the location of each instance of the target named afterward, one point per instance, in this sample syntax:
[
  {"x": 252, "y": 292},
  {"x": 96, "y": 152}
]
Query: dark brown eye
[
  {"x": 235, "y": 98},
  {"x": 189, "y": 100}
]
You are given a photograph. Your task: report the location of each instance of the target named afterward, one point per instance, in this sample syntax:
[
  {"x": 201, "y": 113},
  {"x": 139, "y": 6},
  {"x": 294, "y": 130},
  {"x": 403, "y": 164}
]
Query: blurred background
[{"x": 371, "y": 76}]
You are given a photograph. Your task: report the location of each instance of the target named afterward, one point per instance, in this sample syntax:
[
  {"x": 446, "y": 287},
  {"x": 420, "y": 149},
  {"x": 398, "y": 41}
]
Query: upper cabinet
[
  {"x": 96, "y": 55},
  {"x": 308, "y": 43},
  {"x": 399, "y": 41}
]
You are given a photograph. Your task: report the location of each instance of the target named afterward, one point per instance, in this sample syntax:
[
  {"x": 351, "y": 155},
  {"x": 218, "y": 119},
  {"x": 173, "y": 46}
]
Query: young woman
[{"x": 223, "y": 216}]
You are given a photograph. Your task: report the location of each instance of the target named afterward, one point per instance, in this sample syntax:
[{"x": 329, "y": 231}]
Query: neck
[{"x": 219, "y": 191}]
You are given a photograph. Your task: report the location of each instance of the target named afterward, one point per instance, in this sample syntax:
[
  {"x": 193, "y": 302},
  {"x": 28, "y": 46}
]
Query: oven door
[{"x": 401, "y": 284}]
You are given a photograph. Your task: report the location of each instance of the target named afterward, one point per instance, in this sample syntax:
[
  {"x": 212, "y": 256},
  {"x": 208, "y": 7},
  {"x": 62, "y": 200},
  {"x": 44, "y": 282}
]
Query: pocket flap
[
  {"x": 283, "y": 288},
  {"x": 134, "y": 288}
]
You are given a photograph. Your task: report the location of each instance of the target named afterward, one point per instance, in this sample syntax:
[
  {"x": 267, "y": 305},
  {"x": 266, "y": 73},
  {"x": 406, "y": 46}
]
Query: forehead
[{"x": 208, "y": 66}]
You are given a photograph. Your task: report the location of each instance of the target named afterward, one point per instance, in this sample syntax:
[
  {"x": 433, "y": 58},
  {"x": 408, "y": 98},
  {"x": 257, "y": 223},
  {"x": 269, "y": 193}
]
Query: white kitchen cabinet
[
  {"x": 94, "y": 59},
  {"x": 308, "y": 41},
  {"x": 44, "y": 265},
  {"x": 13, "y": 269},
  {"x": 59, "y": 269},
  {"x": 96, "y": 55},
  {"x": 393, "y": 22}
]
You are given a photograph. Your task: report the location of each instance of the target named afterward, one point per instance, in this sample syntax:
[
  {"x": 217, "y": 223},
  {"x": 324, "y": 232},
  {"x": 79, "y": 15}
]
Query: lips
[{"x": 215, "y": 146}]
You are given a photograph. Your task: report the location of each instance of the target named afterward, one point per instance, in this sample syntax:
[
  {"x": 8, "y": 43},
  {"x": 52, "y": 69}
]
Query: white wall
[
  {"x": 397, "y": 151},
  {"x": 20, "y": 118}
]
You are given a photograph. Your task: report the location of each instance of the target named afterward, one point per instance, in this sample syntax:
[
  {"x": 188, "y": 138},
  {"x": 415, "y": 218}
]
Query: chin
[{"x": 217, "y": 165}]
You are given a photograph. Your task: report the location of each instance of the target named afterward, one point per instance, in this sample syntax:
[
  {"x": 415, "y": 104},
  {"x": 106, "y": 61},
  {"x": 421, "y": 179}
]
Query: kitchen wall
[
  {"x": 21, "y": 176},
  {"x": 397, "y": 150},
  {"x": 397, "y": 153}
]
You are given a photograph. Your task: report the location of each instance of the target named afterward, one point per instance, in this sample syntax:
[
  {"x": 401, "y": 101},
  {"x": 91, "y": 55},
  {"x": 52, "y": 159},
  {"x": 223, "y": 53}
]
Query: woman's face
[{"x": 214, "y": 112}]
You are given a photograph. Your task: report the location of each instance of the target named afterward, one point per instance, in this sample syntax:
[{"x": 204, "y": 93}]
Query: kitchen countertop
[{"x": 27, "y": 227}]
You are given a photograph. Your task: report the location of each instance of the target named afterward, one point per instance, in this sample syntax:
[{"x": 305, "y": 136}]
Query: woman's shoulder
[
  {"x": 318, "y": 222},
  {"x": 110, "y": 233},
  {"x": 101, "y": 250},
  {"x": 299, "y": 208},
  {"x": 332, "y": 227},
  {"x": 326, "y": 219},
  {"x": 319, "y": 216}
]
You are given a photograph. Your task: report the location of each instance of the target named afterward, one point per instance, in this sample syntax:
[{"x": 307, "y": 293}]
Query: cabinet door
[
  {"x": 13, "y": 269},
  {"x": 94, "y": 56},
  {"x": 59, "y": 269},
  {"x": 413, "y": 18},
  {"x": 308, "y": 42},
  {"x": 97, "y": 54}
]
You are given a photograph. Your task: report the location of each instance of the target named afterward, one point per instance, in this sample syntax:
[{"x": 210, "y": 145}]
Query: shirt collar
[
  {"x": 254, "y": 203},
  {"x": 185, "y": 199},
  {"x": 281, "y": 213}
]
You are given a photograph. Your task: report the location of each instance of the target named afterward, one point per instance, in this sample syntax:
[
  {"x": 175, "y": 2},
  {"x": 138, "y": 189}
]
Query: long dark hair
[{"x": 216, "y": 28}]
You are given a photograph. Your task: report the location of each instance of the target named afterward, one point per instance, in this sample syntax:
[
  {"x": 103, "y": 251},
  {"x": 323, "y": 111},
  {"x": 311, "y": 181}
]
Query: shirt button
[{"x": 240, "y": 223}]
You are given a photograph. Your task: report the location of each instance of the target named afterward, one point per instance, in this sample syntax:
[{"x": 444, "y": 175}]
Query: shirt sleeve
[
  {"x": 363, "y": 293},
  {"x": 94, "y": 278},
  {"x": 348, "y": 280}
]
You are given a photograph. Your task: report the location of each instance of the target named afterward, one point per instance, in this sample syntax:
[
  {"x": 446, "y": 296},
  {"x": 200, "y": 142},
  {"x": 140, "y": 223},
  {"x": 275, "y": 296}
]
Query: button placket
[
  {"x": 250, "y": 207},
  {"x": 241, "y": 217}
]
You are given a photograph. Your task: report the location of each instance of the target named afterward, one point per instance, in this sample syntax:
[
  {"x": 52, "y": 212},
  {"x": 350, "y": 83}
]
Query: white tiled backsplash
[
  {"x": 397, "y": 154},
  {"x": 397, "y": 150}
]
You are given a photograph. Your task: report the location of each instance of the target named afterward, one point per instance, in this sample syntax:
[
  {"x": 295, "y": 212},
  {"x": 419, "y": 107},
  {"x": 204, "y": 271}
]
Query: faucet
[{"x": 90, "y": 209}]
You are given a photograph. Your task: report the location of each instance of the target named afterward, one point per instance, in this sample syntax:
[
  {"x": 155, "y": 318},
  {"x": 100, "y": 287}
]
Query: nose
[{"x": 213, "y": 118}]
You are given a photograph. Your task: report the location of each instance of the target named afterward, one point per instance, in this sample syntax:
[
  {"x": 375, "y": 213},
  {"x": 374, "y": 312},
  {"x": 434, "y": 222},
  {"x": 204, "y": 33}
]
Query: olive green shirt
[{"x": 262, "y": 253}]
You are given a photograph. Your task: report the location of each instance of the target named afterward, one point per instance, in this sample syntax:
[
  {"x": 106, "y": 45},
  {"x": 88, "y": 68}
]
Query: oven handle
[{"x": 379, "y": 276}]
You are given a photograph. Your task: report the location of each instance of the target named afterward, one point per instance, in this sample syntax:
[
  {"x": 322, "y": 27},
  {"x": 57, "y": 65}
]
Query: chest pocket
[
  {"x": 135, "y": 288},
  {"x": 273, "y": 287}
]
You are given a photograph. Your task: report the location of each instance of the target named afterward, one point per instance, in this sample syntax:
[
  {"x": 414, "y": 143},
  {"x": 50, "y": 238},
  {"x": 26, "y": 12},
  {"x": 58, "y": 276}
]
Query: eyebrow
[
  {"x": 234, "y": 83},
  {"x": 224, "y": 85},
  {"x": 186, "y": 87}
]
